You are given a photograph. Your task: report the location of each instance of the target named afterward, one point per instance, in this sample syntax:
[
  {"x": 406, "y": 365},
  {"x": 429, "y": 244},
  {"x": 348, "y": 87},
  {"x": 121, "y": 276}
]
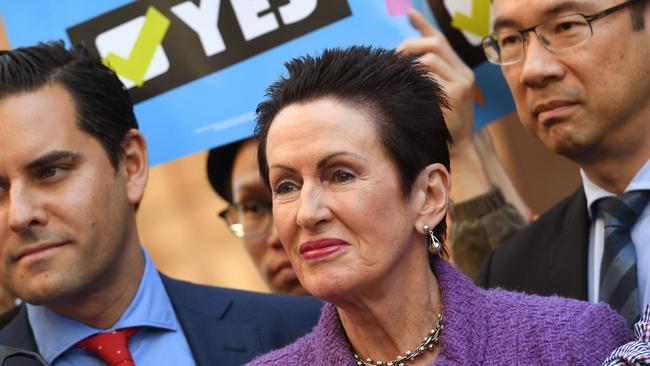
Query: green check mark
[
  {"x": 478, "y": 23},
  {"x": 151, "y": 36}
]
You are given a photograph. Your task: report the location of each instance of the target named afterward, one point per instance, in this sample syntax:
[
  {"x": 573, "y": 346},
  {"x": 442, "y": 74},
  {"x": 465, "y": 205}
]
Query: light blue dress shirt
[
  {"x": 160, "y": 341},
  {"x": 640, "y": 237}
]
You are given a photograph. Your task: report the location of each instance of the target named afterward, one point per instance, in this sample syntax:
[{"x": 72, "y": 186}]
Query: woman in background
[{"x": 354, "y": 147}]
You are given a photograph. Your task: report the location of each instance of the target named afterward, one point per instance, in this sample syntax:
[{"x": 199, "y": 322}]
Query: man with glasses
[
  {"x": 73, "y": 169},
  {"x": 579, "y": 72},
  {"x": 233, "y": 173}
]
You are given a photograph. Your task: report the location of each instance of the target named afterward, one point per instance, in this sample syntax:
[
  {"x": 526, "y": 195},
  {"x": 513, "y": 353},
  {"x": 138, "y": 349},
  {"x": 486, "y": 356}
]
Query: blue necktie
[{"x": 618, "y": 277}]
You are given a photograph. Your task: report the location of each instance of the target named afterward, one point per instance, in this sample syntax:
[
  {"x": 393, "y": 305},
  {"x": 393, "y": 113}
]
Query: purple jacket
[{"x": 484, "y": 327}]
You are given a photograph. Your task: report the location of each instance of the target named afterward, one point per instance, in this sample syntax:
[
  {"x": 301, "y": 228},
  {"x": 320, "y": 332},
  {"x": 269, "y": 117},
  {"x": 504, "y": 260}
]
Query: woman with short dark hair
[{"x": 354, "y": 147}]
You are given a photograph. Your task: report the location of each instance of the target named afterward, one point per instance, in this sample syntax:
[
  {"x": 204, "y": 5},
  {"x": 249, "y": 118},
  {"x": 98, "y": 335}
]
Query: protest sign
[{"x": 196, "y": 70}]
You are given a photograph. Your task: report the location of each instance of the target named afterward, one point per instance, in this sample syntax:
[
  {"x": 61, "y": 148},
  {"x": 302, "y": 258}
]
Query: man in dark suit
[
  {"x": 73, "y": 168},
  {"x": 580, "y": 78},
  {"x": 8, "y": 308}
]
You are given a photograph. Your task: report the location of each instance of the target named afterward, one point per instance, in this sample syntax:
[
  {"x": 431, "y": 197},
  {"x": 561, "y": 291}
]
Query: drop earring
[{"x": 435, "y": 247}]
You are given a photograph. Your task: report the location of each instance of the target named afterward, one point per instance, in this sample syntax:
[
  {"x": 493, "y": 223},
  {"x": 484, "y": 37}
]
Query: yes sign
[{"x": 176, "y": 42}]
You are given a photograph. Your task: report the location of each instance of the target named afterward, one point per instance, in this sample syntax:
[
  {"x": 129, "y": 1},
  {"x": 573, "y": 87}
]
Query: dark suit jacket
[
  {"x": 222, "y": 326},
  {"x": 6, "y": 317},
  {"x": 549, "y": 257}
]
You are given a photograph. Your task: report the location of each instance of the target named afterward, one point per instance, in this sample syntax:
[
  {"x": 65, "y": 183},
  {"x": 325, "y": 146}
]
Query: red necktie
[{"x": 112, "y": 347}]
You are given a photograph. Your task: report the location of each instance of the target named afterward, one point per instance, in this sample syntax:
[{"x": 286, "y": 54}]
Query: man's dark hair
[
  {"x": 637, "y": 10},
  {"x": 394, "y": 89},
  {"x": 219, "y": 168},
  {"x": 103, "y": 107}
]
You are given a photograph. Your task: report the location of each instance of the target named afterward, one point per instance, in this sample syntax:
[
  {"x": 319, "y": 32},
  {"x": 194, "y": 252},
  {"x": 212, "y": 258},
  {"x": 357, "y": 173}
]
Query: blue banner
[{"x": 197, "y": 69}]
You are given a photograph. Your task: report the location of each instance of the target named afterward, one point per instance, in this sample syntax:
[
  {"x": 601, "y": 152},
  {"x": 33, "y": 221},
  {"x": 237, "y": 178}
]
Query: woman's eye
[
  {"x": 285, "y": 187},
  {"x": 342, "y": 176}
]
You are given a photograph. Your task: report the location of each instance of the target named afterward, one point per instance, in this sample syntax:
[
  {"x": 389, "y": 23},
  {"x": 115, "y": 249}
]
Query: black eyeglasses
[
  {"x": 248, "y": 219},
  {"x": 10, "y": 356},
  {"x": 557, "y": 34}
]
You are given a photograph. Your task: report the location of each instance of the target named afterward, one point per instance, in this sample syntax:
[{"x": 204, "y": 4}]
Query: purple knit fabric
[{"x": 483, "y": 327}]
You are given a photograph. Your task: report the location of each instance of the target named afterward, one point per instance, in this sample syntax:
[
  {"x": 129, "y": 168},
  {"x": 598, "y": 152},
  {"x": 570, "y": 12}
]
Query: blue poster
[{"x": 196, "y": 70}]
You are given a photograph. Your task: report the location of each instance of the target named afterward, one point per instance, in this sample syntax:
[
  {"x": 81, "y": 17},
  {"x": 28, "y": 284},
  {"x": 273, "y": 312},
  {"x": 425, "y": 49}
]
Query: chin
[
  {"x": 46, "y": 291},
  {"x": 290, "y": 287},
  {"x": 41, "y": 295},
  {"x": 298, "y": 290},
  {"x": 571, "y": 149},
  {"x": 565, "y": 140},
  {"x": 329, "y": 288}
]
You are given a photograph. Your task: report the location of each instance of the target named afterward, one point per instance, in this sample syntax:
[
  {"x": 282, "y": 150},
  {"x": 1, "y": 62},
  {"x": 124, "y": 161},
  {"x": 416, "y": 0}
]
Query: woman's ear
[
  {"x": 433, "y": 185},
  {"x": 135, "y": 165}
]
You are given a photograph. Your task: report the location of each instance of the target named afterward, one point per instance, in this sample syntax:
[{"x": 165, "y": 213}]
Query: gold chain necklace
[{"x": 427, "y": 344}]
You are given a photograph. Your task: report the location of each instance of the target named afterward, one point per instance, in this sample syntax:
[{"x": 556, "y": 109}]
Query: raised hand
[{"x": 450, "y": 71}]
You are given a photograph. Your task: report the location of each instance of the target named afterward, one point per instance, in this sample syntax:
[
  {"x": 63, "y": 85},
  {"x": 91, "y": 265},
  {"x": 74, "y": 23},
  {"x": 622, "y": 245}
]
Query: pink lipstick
[{"x": 317, "y": 249}]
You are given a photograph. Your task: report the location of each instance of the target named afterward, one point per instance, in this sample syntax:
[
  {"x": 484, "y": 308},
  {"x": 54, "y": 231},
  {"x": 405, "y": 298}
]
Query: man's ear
[
  {"x": 135, "y": 165},
  {"x": 433, "y": 185}
]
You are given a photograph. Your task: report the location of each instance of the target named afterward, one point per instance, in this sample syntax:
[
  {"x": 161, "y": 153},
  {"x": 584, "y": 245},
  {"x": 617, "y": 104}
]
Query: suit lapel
[
  {"x": 18, "y": 332},
  {"x": 569, "y": 256},
  {"x": 212, "y": 339}
]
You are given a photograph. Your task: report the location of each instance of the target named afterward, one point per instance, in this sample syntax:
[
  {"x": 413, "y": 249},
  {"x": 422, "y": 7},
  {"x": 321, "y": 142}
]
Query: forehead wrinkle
[{"x": 550, "y": 12}]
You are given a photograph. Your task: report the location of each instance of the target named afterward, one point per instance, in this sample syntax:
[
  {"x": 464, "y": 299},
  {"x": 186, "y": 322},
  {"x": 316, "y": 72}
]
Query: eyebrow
[
  {"x": 324, "y": 161},
  {"x": 321, "y": 163},
  {"x": 284, "y": 167},
  {"x": 51, "y": 158},
  {"x": 555, "y": 10},
  {"x": 251, "y": 189}
]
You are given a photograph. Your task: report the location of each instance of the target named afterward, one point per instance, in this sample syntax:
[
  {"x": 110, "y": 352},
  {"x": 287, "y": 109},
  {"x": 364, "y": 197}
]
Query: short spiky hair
[
  {"x": 104, "y": 109},
  {"x": 398, "y": 92}
]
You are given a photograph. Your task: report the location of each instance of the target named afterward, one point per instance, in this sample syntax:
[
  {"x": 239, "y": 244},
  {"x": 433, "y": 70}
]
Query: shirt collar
[
  {"x": 151, "y": 307},
  {"x": 593, "y": 192}
]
